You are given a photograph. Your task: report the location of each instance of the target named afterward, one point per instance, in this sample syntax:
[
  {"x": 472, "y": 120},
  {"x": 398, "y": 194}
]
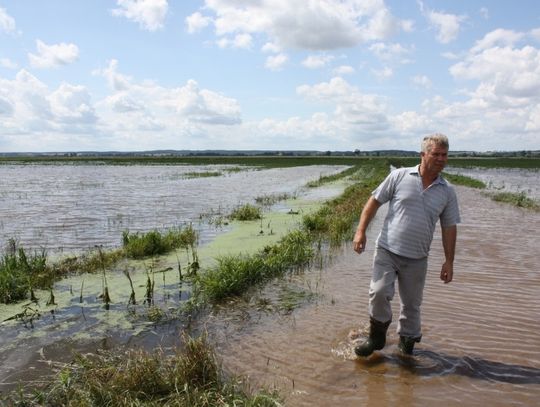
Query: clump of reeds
[
  {"x": 246, "y": 212},
  {"x": 234, "y": 274},
  {"x": 21, "y": 272},
  {"x": 138, "y": 246},
  {"x": 190, "y": 377}
]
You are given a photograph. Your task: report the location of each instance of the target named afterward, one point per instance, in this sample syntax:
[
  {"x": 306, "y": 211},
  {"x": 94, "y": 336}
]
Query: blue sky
[{"x": 132, "y": 75}]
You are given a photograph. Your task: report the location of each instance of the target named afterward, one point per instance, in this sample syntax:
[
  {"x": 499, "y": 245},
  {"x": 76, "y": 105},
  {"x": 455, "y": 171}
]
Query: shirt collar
[{"x": 416, "y": 170}]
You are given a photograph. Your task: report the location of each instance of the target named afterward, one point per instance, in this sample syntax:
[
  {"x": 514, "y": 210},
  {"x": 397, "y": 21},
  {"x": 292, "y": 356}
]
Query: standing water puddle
[{"x": 481, "y": 344}]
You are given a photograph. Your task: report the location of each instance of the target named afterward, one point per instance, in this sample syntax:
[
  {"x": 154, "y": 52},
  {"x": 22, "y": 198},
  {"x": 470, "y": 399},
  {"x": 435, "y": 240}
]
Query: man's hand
[
  {"x": 359, "y": 241},
  {"x": 447, "y": 272}
]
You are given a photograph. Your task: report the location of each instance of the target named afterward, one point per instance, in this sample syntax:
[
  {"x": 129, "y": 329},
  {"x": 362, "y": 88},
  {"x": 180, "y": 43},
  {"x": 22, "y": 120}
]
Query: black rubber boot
[
  {"x": 376, "y": 339},
  {"x": 406, "y": 344}
]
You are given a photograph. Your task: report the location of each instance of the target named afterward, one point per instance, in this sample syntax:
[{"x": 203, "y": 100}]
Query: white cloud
[
  {"x": 276, "y": 62},
  {"x": 204, "y": 106},
  {"x": 412, "y": 123},
  {"x": 7, "y": 63},
  {"x": 196, "y": 22},
  {"x": 383, "y": 74},
  {"x": 149, "y": 14},
  {"x": 344, "y": 70},
  {"x": 316, "y": 25},
  {"x": 357, "y": 114},
  {"x": 71, "y": 104},
  {"x": 317, "y": 61},
  {"x": 7, "y": 23},
  {"x": 390, "y": 52},
  {"x": 499, "y": 37},
  {"x": 447, "y": 25},
  {"x": 239, "y": 41},
  {"x": 422, "y": 81},
  {"x": 116, "y": 81},
  {"x": 270, "y": 47},
  {"x": 31, "y": 109},
  {"x": 51, "y": 56}
]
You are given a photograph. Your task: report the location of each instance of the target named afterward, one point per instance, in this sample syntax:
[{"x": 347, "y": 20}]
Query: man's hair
[{"x": 436, "y": 139}]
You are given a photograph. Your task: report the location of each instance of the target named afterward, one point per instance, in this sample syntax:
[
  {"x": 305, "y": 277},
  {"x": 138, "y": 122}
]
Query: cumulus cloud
[
  {"x": 355, "y": 112},
  {"x": 276, "y": 62},
  {"x": 149, "y": 14},
  {"x": 7, "y": 63},
  {"x": 507, "y": 74},
  {"x": 447, "y": 25},
  {"x": 7, "y": 23},
  {"x": 52, "y": 56},
  {"x": 147, "y": 104},
  {"x": 30, "y": 107},
  {"x": 422, "y": 81},
  {"x": 239, "y": 41},
  {"x": 196, "y": 22},
  {"x": 391, "y": 52},
  {"x": 344, "y": 70},
  {"x": 316, "y": 25},
  {"x": 317, "y": 61}
]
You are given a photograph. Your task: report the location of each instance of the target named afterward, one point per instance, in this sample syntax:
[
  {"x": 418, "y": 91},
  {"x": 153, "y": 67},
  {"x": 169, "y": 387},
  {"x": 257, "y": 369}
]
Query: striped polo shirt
[{"x": 413, "y": 211}]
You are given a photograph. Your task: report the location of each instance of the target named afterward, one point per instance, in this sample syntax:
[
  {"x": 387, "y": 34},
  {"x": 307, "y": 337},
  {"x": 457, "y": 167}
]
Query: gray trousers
[{"x": 411, "y": 277}]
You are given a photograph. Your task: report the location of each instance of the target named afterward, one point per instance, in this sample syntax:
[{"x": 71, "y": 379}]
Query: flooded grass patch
[
  {"x": 246, "y": 212},
  {"x": 517, "y": 199},
  {"x": 202, "y": 174},
  {"x": 153, "y": 243},
  {"x": 234, "y": 274},
  {"x": 463, "y": 180},
  {"x": 190, "y": 377}
]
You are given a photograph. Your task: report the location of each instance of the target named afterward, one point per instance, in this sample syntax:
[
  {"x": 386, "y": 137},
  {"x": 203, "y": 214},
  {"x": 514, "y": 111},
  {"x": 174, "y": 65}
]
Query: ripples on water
[
  {"x": 75, "y": 207},
  {"x": 503, "y": 179},
  {"x": 481, "y": 344}
]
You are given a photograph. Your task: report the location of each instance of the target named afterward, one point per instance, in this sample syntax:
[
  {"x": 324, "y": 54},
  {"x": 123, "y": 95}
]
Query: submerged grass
[
  {"x": 517, "y": 199},
  {"x": 464, "y": 180},
  {"x": 336, "y": 219},
  {"x": 334, "y": 222},
  {"x": 246, "y": 212},
  {"x": 191, "y": 377},
  {"x": 20, "y": 273},
  {"x": 138, "y": 246},
  {"x": 235, "y": 274}
]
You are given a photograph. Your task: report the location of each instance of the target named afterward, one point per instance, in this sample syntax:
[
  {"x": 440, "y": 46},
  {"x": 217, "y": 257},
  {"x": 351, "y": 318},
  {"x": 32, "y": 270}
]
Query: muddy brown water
[{"x": 481, "y": 343}]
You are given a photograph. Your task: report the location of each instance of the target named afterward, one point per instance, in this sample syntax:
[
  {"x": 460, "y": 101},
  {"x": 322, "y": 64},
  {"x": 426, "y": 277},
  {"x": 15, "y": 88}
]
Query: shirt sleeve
[
  {"x": 384, "y": 192},
  {"x": 450, "y": 215}
]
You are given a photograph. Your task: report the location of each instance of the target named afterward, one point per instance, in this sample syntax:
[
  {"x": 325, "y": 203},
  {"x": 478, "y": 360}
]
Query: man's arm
[
  {"x": 368, "y": 213},
  {"x": 449, "y": 237}
]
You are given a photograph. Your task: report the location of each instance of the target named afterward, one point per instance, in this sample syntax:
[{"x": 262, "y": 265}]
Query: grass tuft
[
  {"x": 153, "y": 243},
  {"x": 246, "y": 212},
  {"x": 191, "y": 377}
]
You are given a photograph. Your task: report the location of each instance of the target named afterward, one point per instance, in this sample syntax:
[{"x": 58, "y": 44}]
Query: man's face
[{"x": 435, "y": 160}]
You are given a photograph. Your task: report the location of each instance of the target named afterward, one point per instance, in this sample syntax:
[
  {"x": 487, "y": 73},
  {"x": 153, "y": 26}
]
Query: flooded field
[
  {"x": 481, "y": 343},
  {"x": 504, "y": 180},
  {"x": 65, "y": 208}
]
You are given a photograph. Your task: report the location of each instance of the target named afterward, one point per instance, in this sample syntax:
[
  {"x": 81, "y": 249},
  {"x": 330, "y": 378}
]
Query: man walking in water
[{"x": 417, "y": 198}]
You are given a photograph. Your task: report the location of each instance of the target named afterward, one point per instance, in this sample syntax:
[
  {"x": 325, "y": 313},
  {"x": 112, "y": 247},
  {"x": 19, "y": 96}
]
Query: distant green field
[
  {"x": 269, "y": 161},
  {"x": 254, "y": 161}
]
